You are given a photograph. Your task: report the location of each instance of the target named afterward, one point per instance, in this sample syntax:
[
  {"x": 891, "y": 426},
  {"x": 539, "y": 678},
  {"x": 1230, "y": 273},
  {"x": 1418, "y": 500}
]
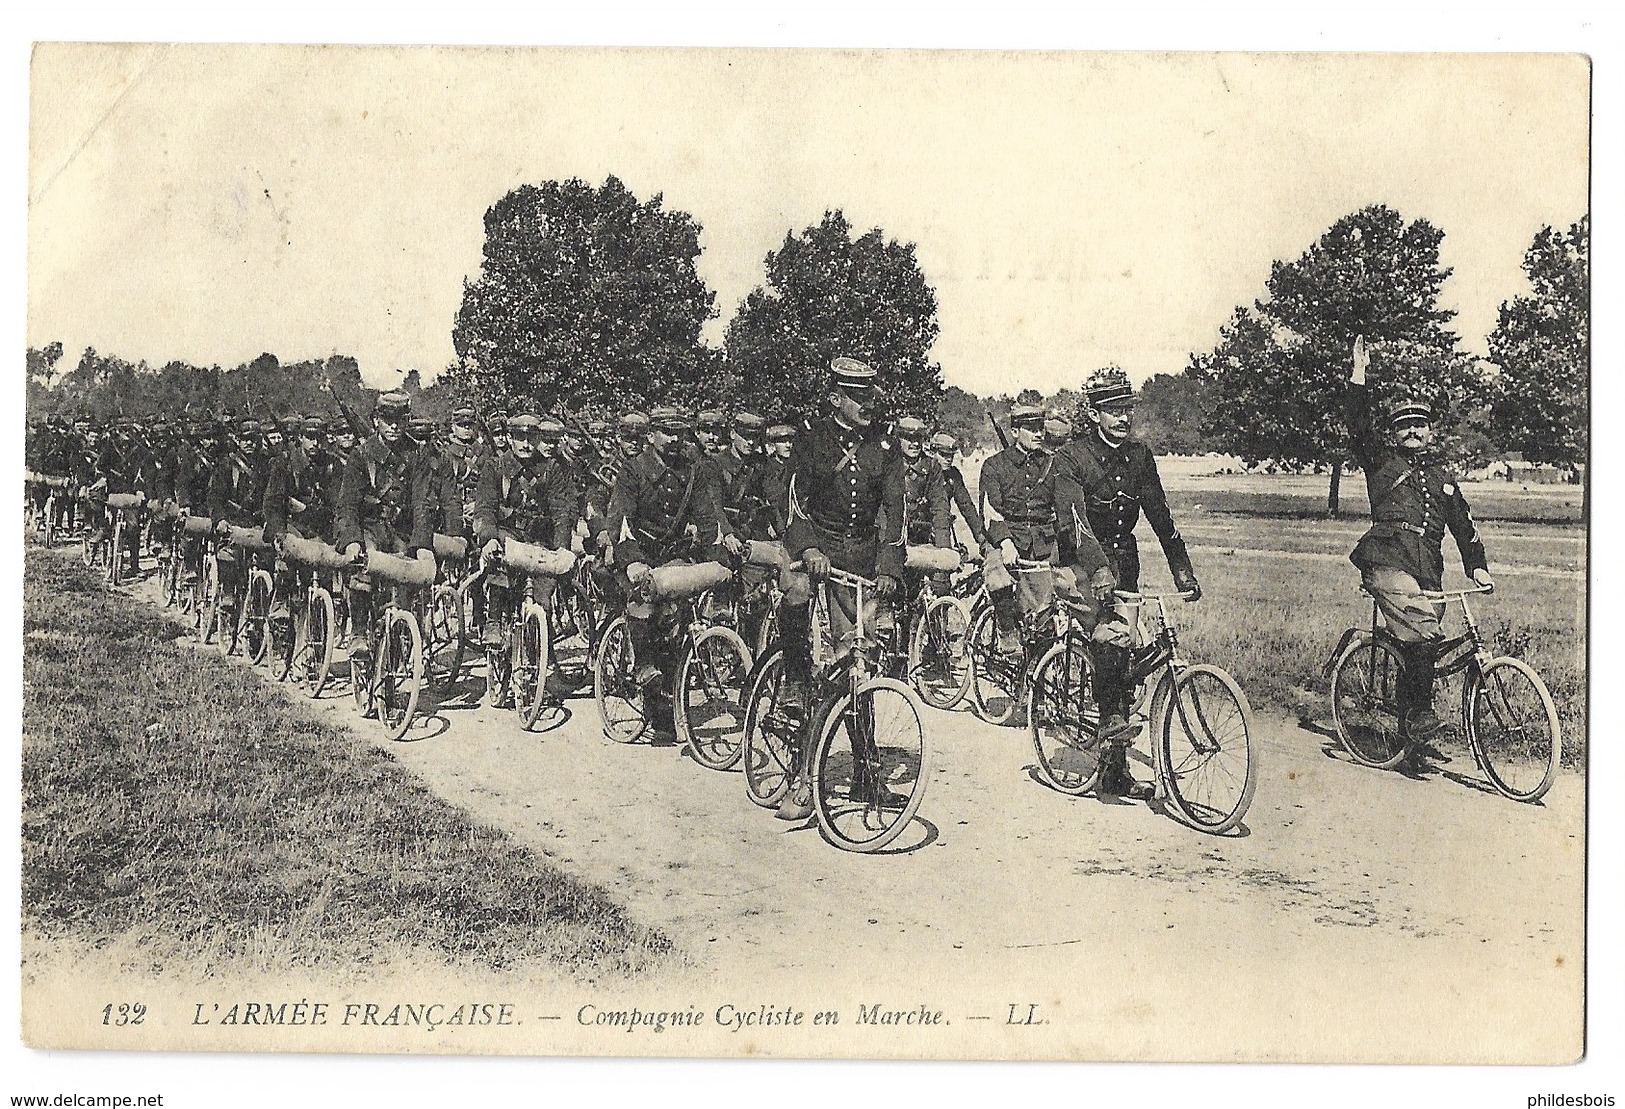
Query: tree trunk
[{"x": 1336, "y": 488}]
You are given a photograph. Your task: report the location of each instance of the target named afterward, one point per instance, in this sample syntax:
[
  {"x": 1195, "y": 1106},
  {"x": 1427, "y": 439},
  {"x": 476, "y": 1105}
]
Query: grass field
[
  {"x": 1279, "y": 589},
  {"x": 177, "y": 808}
]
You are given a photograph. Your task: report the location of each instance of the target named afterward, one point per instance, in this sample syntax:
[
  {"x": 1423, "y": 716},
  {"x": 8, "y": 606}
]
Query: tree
[
  {"x": 41, "y": 367},
  {"x": 828, "y": 295},
  {"x": 1279, "y": 368},
  {"x": 1542, "y": 346},
  {"x": 583, "y": 293},
  {"x": 1170, "y": 413}
]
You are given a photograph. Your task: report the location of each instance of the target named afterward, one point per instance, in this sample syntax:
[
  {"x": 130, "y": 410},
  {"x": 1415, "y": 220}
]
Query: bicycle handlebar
[
  {"x": 1126, "y": 597},
  {"x": 1452, "y": 594},
  {"x": 837, "y": 576}
]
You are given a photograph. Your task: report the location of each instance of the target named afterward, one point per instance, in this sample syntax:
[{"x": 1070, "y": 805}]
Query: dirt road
[{"x": 1361, "y": 915}]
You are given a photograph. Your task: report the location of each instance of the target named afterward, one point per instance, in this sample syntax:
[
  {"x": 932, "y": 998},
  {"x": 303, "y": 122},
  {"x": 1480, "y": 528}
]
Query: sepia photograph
[{"x": 819, "y": 554}]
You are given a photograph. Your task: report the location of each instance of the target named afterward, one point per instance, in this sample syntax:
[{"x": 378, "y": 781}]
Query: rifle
[
  {"x": 358, "y": 423},
  {"x": 607, "y": 467},
  {"x": 1004, "y": 440}
]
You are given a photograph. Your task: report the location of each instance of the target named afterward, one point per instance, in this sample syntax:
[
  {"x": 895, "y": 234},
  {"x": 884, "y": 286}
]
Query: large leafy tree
[
  {"x": 1279, "y": 367},
  {"x": 586, "y": 295},
  {"x": 828, "y": 294},
  {"x": 1542, "y": 345},
  {"x": 41, "y": 367},
  {"x": 1171, "y": 412}
]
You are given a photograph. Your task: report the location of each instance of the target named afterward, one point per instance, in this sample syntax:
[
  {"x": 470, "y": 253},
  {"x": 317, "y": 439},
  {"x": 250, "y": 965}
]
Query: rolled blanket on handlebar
[
  {"x": 450, "y": 548},
  {"x": 126, "y": 500},
  {"x": 402, "y": 571},
  {"x": 197, "y": 526},
  {"x": 931, "y": 560},
  {"x": 763, "y": 552},
  {"x": 670, "y": 583},
  {"x": 528, "y": 558},
  {"x": 312, "y": 552},
  {"x": 249, "y": 539}
]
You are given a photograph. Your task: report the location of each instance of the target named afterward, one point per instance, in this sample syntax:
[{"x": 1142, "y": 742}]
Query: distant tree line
[{"x": 590, "y": 297}]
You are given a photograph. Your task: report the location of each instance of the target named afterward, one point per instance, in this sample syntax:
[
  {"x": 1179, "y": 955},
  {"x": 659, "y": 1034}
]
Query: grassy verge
[{"x": 175, "y": 798}]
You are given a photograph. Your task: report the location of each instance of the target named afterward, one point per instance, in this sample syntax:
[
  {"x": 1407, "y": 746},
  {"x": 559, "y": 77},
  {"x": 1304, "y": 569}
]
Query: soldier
[
  {"x": 1018, "y": 501},
  {"x": 496, "y": 434},
  {"x": 708, "y": 433},
  {"x": 927, "y": 513},
  {"x": 845, "y": 511},
  {"x": 746, "y": 510},
  {"x": 462, "y": 452},
  {"x": 385, "y": 504},
  {"x": 781, "y": 439},
  {"x": 237, "y": 499},
  {"x": 663, "y": 510},
  {"x": 632, "y": 434},
  {"x": 526, "y": 496},
  {"x": 943, "y": 448},
  {"x": 1104, "y": 480},
  {"x": 1414, "y": 499},
  {"x": 300, "y": 495},
  {"x": 1058, "y": 430}
]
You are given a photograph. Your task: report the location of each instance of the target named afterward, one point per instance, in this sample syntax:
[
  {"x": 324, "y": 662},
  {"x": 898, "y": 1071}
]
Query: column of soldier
[{"x": 667, "y": 487}]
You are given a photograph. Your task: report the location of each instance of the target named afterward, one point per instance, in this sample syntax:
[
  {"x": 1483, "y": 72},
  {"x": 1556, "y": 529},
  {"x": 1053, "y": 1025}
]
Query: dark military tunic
[
  {"x": 1106, "y": 487},
  {"x": 653, "y": 506},
  {"x": 959, "y": 494},
  {"x": 237, "y": 490},
  {"x": 846, "y": 499},
  {"x": 535, "y": 503},
  {"x": 746, "y": 507},
  {"x": 385, "y": 497},
  {"x": 465, "y": 461},
  {"x": 313, "y": 482},
  {"x": 927, "y": 512},
  {"x": 1017, "y": 489},
  {"x": 775, "y": 484},
  {"x": 1413, "y": 502}
]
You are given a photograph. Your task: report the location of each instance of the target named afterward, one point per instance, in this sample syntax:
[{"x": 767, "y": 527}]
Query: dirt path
[{"x": 1359, "y": 909}]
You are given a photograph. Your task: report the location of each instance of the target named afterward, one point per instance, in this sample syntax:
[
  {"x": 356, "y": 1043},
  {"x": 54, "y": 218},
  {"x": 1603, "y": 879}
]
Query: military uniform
[
  {"x": 663, "y": 510},
  {"x": 237, "y": 499}
]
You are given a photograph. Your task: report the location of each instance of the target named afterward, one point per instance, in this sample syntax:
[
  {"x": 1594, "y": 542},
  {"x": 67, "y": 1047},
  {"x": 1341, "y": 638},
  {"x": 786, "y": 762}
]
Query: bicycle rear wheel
[
  {"x": 1365, "y": 704},
  {"x": 1206, "y": 754},
  {"x": 317, "y": 654},
  {"x": 621, "y": 706},
  {"x": 870, "y": 765},
  {"x": 528, "y": 668},
  {"x": 576, "y": 633},
  {"x": 995, "y": 684},
  {"x": 257, "y": 617},
  {"x": 772, "y": 736},
  {"x": 1063, "y": 721},
  {"x": 938, "y": 655},
  {"x": 445, "y": 633},
  {"x": 1512, "y": 724},
  {"x": 400, "y": 673},
  {"x": 710, "y": 716}
]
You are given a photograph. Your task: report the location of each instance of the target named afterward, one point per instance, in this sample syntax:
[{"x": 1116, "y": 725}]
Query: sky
[{"x": 208, "y": 203}]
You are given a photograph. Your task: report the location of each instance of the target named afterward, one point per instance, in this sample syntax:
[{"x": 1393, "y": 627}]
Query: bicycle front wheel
[
  {"x": 1513, "y": 726},
  {"x": 995, "y": 684},
  {"x": 772, "y": 735},
  {"x": 621, "y": 706},
  {"x": 1205, "y": 748},
  {"x": 400, "y": 674},
  {"x": 710, "y": 715},
  {"x": 528, "y": 670},
  {"x": 1063, "y": 721},
  {"x": 870, "y": 765},
  {"x": 938, "y": 654},
  {"x": 1365, "y": 704}
]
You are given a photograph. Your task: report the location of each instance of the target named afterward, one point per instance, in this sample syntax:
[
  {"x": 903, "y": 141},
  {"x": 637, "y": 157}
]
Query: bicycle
[
  {"x": 443, "y": 620},
  {"x": 519, "y": 666},
  {"x": 396, "y": 683},
  {"x": 1507, "y": 715},
  {"x": 868, "y": 734},
  {"x": 938, "y": 660},
  {"x": 1200, "y": 722},
  {"x": 998, "y": 682},
  {"x": 623, "y": 707},
  {"x": 713, "y": 666},
  {"x": 307, "y": 654},
  {"x": 122, "y": 506}
]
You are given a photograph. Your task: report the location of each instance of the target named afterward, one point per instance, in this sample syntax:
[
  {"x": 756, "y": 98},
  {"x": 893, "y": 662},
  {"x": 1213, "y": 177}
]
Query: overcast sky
[{"x": 210, "y": 203}]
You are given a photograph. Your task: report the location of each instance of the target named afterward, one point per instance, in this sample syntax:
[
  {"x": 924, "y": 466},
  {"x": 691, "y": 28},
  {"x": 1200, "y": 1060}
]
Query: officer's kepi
[
  {"x": 852, "y": 377},
  {"x": 1026, "y": 415},
  {"x": 1409, "y": 413}
]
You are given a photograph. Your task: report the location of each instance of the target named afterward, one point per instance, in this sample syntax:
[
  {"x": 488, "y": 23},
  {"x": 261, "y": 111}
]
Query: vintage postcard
[{"x": 821, "y": 554}]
